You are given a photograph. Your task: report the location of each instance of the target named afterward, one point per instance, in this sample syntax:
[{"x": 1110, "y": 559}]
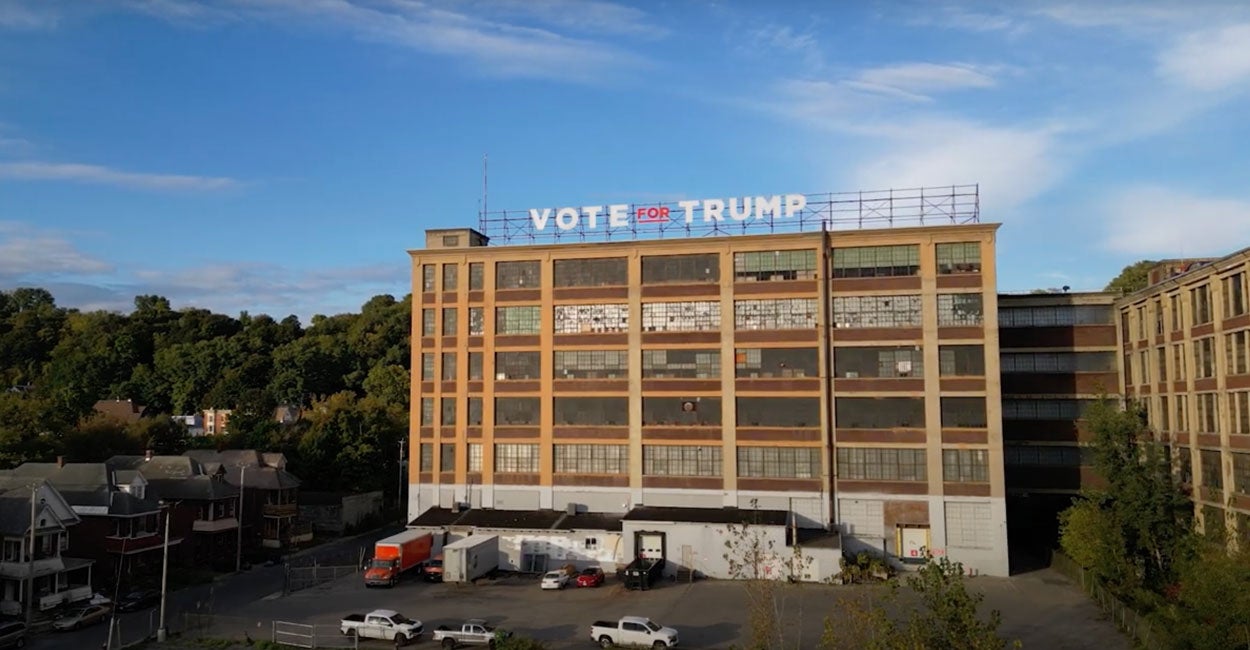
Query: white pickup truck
[
  {"x": 633, "y": 631},
  {"x": 386, "y": 624},
  {"x": 474, "y": 631}
]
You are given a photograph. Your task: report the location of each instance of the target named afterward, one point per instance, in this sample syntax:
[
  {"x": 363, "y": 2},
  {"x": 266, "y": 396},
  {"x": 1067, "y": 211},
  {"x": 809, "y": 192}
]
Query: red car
[{"x": 592, "y": 577}]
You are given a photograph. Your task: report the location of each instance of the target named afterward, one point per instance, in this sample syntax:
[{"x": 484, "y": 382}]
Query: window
[
  {"x": 1239, "y": 410},
  {"x": 475, "y": 366},
  {"x": 449, "y": 366},
  {"x": 765, "y": 266},
  {"x": 969, "y": 525},
  {"x": 689, "y": 316},
  {"x": 879, "y": 412},
  {"x": 451, "y": 241},
  {"x": 477, "y": 321},
  {"x": 961, "y": 360},
  {"x": 449, "y": 321},
  {"x": 881, "y": 464},
  {"x": 1178, "y": 360},
  {"x": 1055, "y": 316},
  {"x": 1212, "y": 476},
  {"x": 475, "y": 456},
  {"x": 580, "y": 319},
  {"x": 1046, "y": 456},
  {"x": 427, "y": 366},
  {"x": 1141, "y": 322},
  {"x": 1235, "y": 295},
  {"x": 448, "y": 411},
  {"x": 1143, "y": 366},
  {"x": 602, "y": 272},
  {"x": 1174, "y": 306},
  {"x": 427, "y": 411},
  {"x": 447, "y": 457},
  {"x": 876, "y": 261},
  {"x": 1241, "y": 474},
  {"x": 475, "y": 411},
  {"x": 685, "y": 364},
  {"x": 681, "y": 460},
  {"x": 427, "y": 278},
  {"x": 592, "y": 459},
  {"x": 1208, "y": 413},
  {"x": 669, "y": 269},
  {"x": 1165, "y": 414},
  {"x": 1045, "y": 409},
  {"x": 768, "y": 363},
  {"x": 965, "y": 465},
  {"x": 1200, "y": 303},
  {"x": 876, "y": 311},
  {"x": 1182, "y": 413},
  {"x": 1128, "y": 368},
  {"x": 517, "y": 411},
  {"x": 477, "y": 276},
  {"x": 778, "y": 462},
  {"x": 1161, "y": 355},
  {"x": 963, "y": 257},
  {"x": 959, "y": 309},
  {"x": 797, "y": 412},
  {"x": 591, "y": 411},
  {"x": 517, "y": 275},
  {"x": 427, "y": 322},
  {"x": 1204, "y": 358},
  {"x": 1235, "y": 352},
  {"x": 451, "y": 277},
  {"x": 882, "y": 362},
  {"x": 681, "y": 411},
  {"x": 591, "y": 364},
  {"x": 775, "y": 314},
  {"x": 1158, "y": 310},
  {"x": 1058, "y": 362},
  {"x": 425, "y": 462},
  {"x": 518, "y": 320},
  {"x": 963, "y": 412},
  {"x": 516, "y": 458},
  {"x": 518, "y": 365}
]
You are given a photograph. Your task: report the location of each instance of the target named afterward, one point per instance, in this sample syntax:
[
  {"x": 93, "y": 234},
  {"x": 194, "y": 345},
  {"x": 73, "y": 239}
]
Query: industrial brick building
[{"x": 848, "y": 380}]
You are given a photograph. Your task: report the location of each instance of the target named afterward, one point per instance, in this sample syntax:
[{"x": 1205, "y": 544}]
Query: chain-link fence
[
  {"x": 299, "y": 578},
  {"x": 1146, "y": 633},
  {"x": 302, "y": 635}
]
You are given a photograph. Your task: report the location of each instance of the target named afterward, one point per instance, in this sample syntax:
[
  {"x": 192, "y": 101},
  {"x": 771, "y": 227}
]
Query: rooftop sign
[{"x": 711, "y": 211}]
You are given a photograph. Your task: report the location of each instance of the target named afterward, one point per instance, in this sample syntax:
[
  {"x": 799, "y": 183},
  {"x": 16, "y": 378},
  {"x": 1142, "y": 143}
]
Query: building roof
[
  {"x": 437, "y": 517},
  {"x": 15, "y": 503},
  {"x": 175, "y": 477},
  {"x": 88, "y": 485},
  {"x": 709, "y": 515},
  {"x": 589, "y": 521},
  {"x": 265, "y": 470},
  {"x": 527, "y": 519},
  {"x": 124, "y": 410}
]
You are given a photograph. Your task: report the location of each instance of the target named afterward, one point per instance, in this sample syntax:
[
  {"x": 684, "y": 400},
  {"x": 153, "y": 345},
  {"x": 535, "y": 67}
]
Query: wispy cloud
[
  {"x": 26, "y": 251},
  {"x": 771, "y": 38},
  {"x": 16, "y": 14},
  {"x": 918, "y": 80},
  {"x": 584, "y": 16},
  {"x": 968, "y": 20},
  {"x": 1145, "y": 221},
  {"x": 96, "y": 174},
  {"x": 1210, "y": 59}
]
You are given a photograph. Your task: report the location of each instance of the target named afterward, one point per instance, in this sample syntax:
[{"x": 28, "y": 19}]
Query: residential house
[
  {"x": 203, "y": 505},
  {"x": 216, "y": 422},
  {"x": 270, "y": 495},
  {"x": 194, "y": 423},
  {"x": 27, "y": 502},
  {"x": 123, "y": 410}
]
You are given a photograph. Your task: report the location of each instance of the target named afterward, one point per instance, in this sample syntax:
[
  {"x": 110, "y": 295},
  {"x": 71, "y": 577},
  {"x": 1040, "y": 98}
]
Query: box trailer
[
  {"x": 396, "y": 555},
  {"x": 470, "y": 558}
]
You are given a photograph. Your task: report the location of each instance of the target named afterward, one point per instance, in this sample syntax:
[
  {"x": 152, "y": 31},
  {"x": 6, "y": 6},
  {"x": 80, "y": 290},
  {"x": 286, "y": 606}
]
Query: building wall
[{"x": 835, "y": 333}]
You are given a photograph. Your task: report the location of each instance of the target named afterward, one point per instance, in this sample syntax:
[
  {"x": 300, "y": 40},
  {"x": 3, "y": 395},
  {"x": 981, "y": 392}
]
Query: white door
[
  {"x": 915, "y": 542},
  {"x": 651, "y": 546}
]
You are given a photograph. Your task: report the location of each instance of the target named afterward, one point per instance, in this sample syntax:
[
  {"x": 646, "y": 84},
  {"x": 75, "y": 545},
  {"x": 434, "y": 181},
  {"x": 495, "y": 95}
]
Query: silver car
[{"x": 81, "y": 617}]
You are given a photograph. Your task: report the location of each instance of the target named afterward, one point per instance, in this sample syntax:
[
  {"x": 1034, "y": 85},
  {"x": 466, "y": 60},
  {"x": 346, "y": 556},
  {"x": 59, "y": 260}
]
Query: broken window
[
  {"x": 475, "y": 366},
  {"x": 775, "y": 314},
  {"x": 1200, "y": 304},
  {"x": 961, "y": 257},
  {"x": 583, "y": 319},
  {"x": 876, "y": 261},
  {"x": 449, "y": 366},
  {"x": 517, "y": 411},
  {"x": 601, "y": 272},
  {"x": 475, "y": 411},
  {"x": 1204, "y": 358},
  {"x": 962, "y": 360},
  {"x": 477, "y": 321},
  {"x": 671, "y": 269},
  {"x": 517, "y": 275},
  {"x": 879, "y": 412},
  {"x": 686, "y": 364},
  {"x": 874, "y": 362},
  {"x": 477, "y": 276},
  {"x": 798, "y": 412},
  {"x": 1208, "y": 413},
  {"x": 1045, "y": 409},
  {"x": 591, "y": 411},
  {"x": 765, "y": 266},
  {"x": 959, "y": 309},
  {"x": 1212, "y": 474},
  {"x": 681, "y": 411},
  {"x": 685, "y": 316},
  {"x": 769, "y": 363},
  {"x": 877, "y": 311},
  {"x": 518, "y": 365},
  {"x": 447, "y": 457},
  {"x": 591, "y": 364},
  {"x": 1058, "y": 362},
  {"x": 1056, "y": 316},
  {"x": 427, "y": 278},
  {"x": 1237, "y": 352},
  {"x": 963, "y": 412},
  {"x": 518, "y": 320}
]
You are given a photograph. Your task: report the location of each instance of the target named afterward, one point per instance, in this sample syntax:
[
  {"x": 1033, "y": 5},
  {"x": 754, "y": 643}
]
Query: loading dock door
[
  {"x": 913, "y": 541},
  {"x": 651, "y": 546}
]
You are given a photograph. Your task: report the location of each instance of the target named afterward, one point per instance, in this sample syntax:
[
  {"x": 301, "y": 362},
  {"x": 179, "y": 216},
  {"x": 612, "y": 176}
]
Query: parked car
[
  {"x": 432, "y": 570},
  {"x": 555, "y": 580},
  {"x": 81, "y": 617},
  {"x": 12, "y": 635},
  {"x": 100, "y": 599},
  {"x": 590, "y": 577},
  {"x": 635, "y": 631},
  {"x": 386, "y": 624},
  {"x": 137, "y": 600},
  {"x": 474, "y": 631}
]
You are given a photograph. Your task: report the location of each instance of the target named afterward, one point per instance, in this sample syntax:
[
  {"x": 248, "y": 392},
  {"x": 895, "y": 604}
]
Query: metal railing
[
  {"x": 1146, "y": 633},
  {"x": 300, "y": 578},
  {"x": 302, "y": 635}
]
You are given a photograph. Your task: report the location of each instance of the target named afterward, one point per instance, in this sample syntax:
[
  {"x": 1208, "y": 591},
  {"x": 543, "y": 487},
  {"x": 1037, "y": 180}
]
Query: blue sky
[{"x": 280, "y": 156}]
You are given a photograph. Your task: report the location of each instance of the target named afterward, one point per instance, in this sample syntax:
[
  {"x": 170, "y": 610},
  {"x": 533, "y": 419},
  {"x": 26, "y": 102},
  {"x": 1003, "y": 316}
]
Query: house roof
[
  {"x": 709, "y": 515},
  {"x": 15, "y": 502},
  {"x": 175, "y": 477},
  {"x": 124, "y": 410},
  {"x": 88, "y": 485},
  {"x": 265, "y": 470}
]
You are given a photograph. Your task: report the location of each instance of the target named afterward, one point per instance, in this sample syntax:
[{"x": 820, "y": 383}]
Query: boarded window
[
  {"x": 592, "y": 364},
  {"x": 765, "y": 266},
  {"x": 589, "y": 319},
  {"x": 961, "y": 257},
  {"x": 965, "y": 465},
  {"x": 796, "y": 412},
  {"x": 448, "y": 408},
  {"x": 681, "y": 460},
  {"x": 518, "y": 320},
  {"x": 450, "y": 320},
  {"x": 778, "y": 462},
  {"x": 591, "y": 459},
  {"x": 681, "y": 411},
  {"x": 961, "y": 360},
  {"x": 878, "y": 362},
  {"x": 449, "y": 366},
  {"x": 591, "y": 411},
  {"x": 451, "y": 277},
  {"x": 775, "y": 314},
  {"x": 671, "y": 269},
  {"x": 960, "y": 309},
  {"x": 881, "y": 464},
  {"x": 685, "y": 316},
  {"x": 1056, "y": 316},
  {"x": 876, "y": 261},
  {"x": 770, "y": 363},
  {"x": 965, "y": 412},
  {"x": 427, "y": 278},
  {"x": 514, "y": 458},
  {"x": 477, "y": 276},
  {"x": 517, "y": 411},
  {"x": 518, "y": 365},
  {"x": 475, "y": 411},
  {"x": 517, "y": 275},
  {"x": 877, "y": 311},
  {"x": 602, "y": 272},
  {"x": 879, "y": 412},
  {"x": 686, "y": 364}
]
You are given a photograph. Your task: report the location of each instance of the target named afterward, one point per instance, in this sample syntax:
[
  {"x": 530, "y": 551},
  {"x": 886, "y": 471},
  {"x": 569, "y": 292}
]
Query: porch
[{"x": 69, "y": 582}]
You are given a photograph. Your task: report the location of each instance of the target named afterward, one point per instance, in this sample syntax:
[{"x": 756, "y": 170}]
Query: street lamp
[
  {"x": 169, "y": 511},
  {"x": 238, "y": 516}
]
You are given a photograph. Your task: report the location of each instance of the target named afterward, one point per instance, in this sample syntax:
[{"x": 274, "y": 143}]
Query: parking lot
[{"x": 1040, "y": 608}]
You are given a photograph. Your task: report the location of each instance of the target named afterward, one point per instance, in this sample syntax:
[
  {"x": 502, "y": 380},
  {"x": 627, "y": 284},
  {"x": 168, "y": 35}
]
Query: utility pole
[
  {"x": 30, "y": 578},
  {"x": 238, "y": 558},
  {"x": 399, "y": 496},
  {"x": 160, "y": 630}
]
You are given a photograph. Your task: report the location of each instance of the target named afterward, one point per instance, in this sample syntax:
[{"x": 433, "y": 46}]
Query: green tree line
[{"x": 348, "y": 372}]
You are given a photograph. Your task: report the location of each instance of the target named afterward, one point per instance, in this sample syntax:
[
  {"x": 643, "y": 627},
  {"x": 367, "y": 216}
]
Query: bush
[
  {"x": 518, "y": 642},
  {"x": 864, "y": 568}
]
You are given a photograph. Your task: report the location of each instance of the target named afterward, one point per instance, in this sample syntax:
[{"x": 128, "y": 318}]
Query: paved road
[{"x": 229, "y": 595}]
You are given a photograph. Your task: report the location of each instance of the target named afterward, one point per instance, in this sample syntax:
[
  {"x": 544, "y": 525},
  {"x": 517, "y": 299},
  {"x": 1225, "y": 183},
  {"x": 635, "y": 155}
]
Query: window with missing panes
[
  {"x": 425, "y": 461},
  {"x": 1235, "y": 295},
  {"x": 965, "y": 465},
  {"x": 774, "y": 363},
  {"x": 961, "y": 361},
  {"x": 1200, "y": 304},
  {"x": 475, "y": 412},
  {"x": 1045, "y": 409},
  {"x": 877, "y": 311},
  {"x": 477, "y": 276},
  {"x": 673, "y": 269},
  {"x": 1158, "y": 312},
  {"x": 684, "y": 364},
  {"x": 1056, "y": 316},
  {"x": 427, "y": 366},
  {"x": 448, "y": 412},
  {"x": 1044, "y": 456},
  {"x": 963, "y": 412},
  {"x": 879, "y": 412},
  {"x": 450, "y": 320},
  {"x": 681, "y": 411},
  {"x": 518, "y": 320},
  {"x": 876, "y": 261},
  {"x": 961, "y": 257},
  {"x": 778, "y": 462},
  {"x": 785, "y": 412},
  {"x": 767, "y": 266},
  {"x": 591, "y": 364},
  {"x": 427, "y": 411},
  {"x": 684, "y": 316},
  {"x": 427, "y": 278},
  {"x": 960, "y": 309},
  {"x": 451, "y": 277},
  {"x": 475, "y": 457},
  {"x": 427, "y": 322},
  {"x": 594, "y": 272},
  {"x": 517, "y": 411},
  {"x": 447, "y": 457},
  {"x": 477, "y": 321},
  {"x": 591, "y": 459},
  {"x": 878, "y": 362},
  {"x": 590, "y": 411},
  {"x": 451, "y": 241},
  {"x": 1204, "y": 358},
  {"x": 681, "y": 460},
  {"x": 475, "y": 366},
  {"x": 518, "y": 365},
  {"x": 516, "y": 458},
  {"x": 449, "y": 366},
  {"x": 881, "y": 464},
  {"x": 1212, "y": 475},
  {"x": 518, "y": 275},
  {"x": 591, "y": 319},
  {"x": 1237, "y": 352},
  {"x": 775, "y": 314}
]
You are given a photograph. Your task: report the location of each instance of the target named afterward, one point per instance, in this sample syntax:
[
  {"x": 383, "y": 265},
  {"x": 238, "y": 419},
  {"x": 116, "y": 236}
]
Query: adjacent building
[
  {"x": 36, "y": 574},
  {"x": 847, "y": 380},
  {"x": 270, "y": 495}
]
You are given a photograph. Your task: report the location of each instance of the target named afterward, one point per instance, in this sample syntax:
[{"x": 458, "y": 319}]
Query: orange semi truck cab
[{"x": 396, "y": 555}]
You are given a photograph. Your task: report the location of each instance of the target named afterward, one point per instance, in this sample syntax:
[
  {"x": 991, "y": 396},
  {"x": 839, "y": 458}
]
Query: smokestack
[
  {"x": 60, "y": 461},
  {"x": 147, "y": 455}
]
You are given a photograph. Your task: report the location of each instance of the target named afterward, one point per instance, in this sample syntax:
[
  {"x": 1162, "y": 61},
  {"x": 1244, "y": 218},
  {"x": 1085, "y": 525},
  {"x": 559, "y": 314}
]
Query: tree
[
  {"x": 389, "y": 385},
  {"x": 1132, "y": 278},
  {"x": 1213, "y": 608},
  {"x": 755, "y": 557}
]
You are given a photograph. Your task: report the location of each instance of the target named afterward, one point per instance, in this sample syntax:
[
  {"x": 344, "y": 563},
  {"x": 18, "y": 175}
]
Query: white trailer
[{"x": 470, "y": 558}]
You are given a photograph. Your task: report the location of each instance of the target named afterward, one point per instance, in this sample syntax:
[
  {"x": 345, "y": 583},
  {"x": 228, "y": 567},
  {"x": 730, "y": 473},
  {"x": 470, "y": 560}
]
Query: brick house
[
  {"x": 270, "y": 495},
  {"x": 57, "y": 577}
]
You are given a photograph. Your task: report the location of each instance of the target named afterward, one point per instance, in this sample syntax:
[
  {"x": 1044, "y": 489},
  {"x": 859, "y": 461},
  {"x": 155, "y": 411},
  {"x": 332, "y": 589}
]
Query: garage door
[
  {"x": 863, "y": 517},
  {"x": 651, "y": 546}
]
